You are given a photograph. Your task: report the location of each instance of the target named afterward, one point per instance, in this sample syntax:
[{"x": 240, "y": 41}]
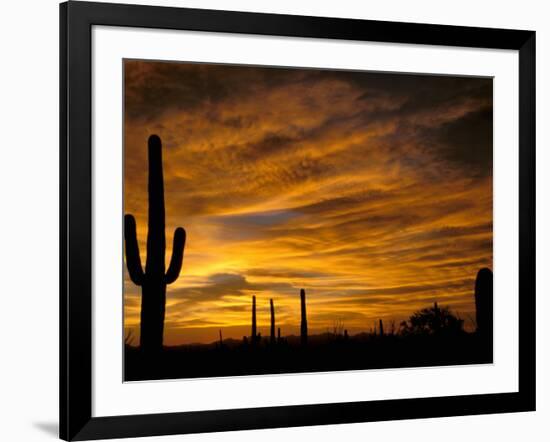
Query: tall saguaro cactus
[
  {"x": 154, "y": 279},
  {"x": 272, "y": 308},
  {"x": 484, "y": 303},
  {"x": 254, "y": 334},
  {"x": 303, "y": 324}
]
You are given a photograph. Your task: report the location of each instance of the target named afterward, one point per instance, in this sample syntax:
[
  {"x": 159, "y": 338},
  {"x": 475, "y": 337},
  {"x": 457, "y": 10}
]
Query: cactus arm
[
  {"x": 177, "y": 256},
  {"x": 133, "y": 261}
]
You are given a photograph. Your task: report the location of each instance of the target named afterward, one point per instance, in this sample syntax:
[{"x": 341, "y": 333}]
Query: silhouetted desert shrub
[{"x": 432, "y": 321}]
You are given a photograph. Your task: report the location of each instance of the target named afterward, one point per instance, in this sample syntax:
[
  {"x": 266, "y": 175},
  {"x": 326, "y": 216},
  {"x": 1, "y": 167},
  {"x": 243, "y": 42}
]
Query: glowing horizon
[{"x": 372, "y": 191}]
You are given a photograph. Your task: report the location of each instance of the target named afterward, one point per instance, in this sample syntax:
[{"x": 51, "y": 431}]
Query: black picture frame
[{"x": 76, "y": 21}]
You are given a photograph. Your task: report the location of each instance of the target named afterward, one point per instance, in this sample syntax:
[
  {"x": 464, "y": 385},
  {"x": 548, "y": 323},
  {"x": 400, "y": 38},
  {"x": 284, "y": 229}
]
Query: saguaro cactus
[
  {"x": 303, "y": 324},
  {"x": 484, "y": 303},
  {"x": 272, "y": 308},
  {"x": 254, "y": 335},
  {"x": 154, "y": 279},
  {"x": 381, "y": 327}
]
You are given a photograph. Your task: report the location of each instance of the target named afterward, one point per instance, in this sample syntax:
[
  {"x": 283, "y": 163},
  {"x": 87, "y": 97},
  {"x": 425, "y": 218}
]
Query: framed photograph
[{"x": 272, "y": 220}]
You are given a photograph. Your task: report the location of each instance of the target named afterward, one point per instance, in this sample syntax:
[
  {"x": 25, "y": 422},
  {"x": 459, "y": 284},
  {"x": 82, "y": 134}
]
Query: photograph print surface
[{"x": 287, "y": 220}]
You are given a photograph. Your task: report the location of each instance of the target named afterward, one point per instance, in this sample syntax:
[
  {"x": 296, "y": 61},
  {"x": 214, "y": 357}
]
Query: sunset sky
[{"x": 372, "y": 191}]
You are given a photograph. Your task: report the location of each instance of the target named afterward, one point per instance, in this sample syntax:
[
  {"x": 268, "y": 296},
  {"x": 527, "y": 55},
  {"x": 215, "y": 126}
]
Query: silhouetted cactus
[
  {"x": 153, "y": 280},
  {"x": 381, "y": 327},
  {"x": 272, "y": 308},
  {"x": 484, "y": 303},
  {"x": 303, "y": 324},
  {"x": 254, "y": 335},
  {"x": 278, "y": 334}
]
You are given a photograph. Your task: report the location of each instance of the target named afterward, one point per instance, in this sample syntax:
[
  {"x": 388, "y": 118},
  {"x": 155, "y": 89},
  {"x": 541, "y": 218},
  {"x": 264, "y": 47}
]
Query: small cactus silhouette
[
  {"x": 254, "y": 335},
  {"x": 154, "y": 279},
  {"x": 303, "y": 324},
  {"x": 381, "y": 327},
  {"x": 272, "y": 309}
]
